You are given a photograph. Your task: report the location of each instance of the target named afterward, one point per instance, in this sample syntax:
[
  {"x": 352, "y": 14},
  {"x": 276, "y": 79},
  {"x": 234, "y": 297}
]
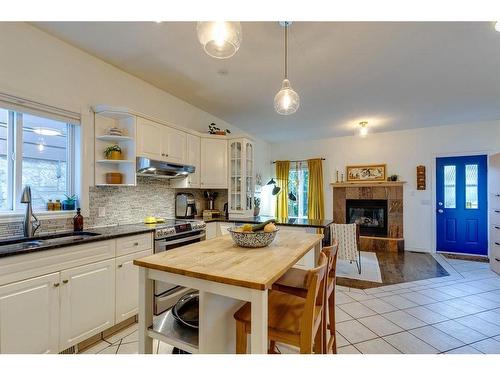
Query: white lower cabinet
[
  {"x": 87, "y": 301},
  {"x": 127, "y": 285},
  {"x": 50, "y": 313},
  {"x": 29, "y": 316}
]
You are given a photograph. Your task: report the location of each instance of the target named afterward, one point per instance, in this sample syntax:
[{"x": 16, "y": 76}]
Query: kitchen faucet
[{"x": 30, "y": 226}]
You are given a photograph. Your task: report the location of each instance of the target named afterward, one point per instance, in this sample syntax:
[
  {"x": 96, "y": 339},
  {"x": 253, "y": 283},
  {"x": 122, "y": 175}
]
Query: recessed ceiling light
[{"x": 47, "y": 131}]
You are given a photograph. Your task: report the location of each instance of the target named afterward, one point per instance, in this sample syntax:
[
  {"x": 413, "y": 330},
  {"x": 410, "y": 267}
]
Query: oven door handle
[{"x": 180, "y": 240}]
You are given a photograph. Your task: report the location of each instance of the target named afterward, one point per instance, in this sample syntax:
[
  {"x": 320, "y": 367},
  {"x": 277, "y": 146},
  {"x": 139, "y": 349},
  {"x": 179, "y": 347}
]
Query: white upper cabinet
[
  {"x": 29, "y": 316},
  {"x": 175, "y": 140},
  {"x": 193, "y": 158},
  {"x": 241, "y": 177},
  {"x": 149, "y": 138},
  {"x": 213, "y": 163},
  {"x": 160, "y": 142}
]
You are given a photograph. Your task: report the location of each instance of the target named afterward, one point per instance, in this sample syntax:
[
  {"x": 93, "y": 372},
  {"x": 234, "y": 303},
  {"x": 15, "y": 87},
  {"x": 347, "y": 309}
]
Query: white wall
[
  {"x": 39, "y": 67},
  {"x": 402, "y": 151}
]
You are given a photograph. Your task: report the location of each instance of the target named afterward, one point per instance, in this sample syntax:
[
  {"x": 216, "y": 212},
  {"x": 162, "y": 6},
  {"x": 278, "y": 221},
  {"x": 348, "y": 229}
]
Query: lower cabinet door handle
[
  {"x": 65, "y": 281},
  {"x": 497, "y": 243},
  {"x": 498, "y": 260},
  {"x": 497, "y": 227},
  {"x": 56, "y": 285},
  {"x": 120, "y": 265},
  {"x": 497, "y": 211}
]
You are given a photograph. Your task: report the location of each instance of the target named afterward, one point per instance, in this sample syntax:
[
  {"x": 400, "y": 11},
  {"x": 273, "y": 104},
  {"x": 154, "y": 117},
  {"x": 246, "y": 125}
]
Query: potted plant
[
  {"x": 256, "y": 206},
  {"x": 113, "y": 152},
  {"x": 69, "y": 203}
]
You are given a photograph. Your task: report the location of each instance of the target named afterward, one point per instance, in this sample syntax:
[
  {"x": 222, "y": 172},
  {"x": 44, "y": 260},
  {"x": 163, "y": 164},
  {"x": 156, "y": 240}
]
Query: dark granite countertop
[
  {"x": 308, "y": 223},
  {"x": 19, "y": 245}
]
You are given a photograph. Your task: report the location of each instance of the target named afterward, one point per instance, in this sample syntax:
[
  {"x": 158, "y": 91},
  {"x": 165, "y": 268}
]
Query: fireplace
[{"x": 370, "y": 214}]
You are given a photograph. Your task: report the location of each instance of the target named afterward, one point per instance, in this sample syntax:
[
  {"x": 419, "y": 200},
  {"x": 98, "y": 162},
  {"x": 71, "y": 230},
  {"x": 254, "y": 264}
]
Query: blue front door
[{"x": 461, "y": 205}]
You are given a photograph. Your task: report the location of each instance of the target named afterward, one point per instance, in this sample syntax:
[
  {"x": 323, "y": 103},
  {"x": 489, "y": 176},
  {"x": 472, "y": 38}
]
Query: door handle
[
  {"x": 65, "y": 281},
  {"x": 120, "y": 265},
  {"x": 496, "y": 243},
  {"x": 497, "y": 227},
  {"x": 440, "y": 211},
  {"x": 498, "y": 260},
  {"x": 56, "y": 285},
  {"x": 497, "y": 211}
]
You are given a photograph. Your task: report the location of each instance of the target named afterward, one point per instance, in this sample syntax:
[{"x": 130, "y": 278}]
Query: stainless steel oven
[{"x": 167, "y": 295}]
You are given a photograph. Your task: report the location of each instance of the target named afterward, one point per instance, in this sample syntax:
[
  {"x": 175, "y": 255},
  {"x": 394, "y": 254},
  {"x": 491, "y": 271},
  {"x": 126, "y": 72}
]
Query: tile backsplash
[{"x": 123, "y": 205}]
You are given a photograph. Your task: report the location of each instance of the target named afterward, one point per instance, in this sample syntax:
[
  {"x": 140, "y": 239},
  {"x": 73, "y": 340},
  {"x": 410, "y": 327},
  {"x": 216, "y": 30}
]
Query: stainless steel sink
[{"x": 20, "y": 244}]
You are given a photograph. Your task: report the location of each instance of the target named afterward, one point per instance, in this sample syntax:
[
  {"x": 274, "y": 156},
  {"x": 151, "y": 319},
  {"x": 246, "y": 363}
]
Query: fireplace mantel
[
  {"x": 368, "y": 184},
  {"x": 392, "y": 191}
]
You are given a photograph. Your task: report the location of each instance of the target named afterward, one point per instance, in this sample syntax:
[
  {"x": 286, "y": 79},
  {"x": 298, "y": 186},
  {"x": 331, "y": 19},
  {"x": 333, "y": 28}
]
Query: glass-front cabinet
[{"x": 241, "y": 177}]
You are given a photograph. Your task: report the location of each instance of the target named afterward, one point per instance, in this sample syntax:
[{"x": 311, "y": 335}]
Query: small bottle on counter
[
  {"x": 78, "y": 221},
  {"x": 57, "y": 205},
  {"x": 50, "y": 205}
]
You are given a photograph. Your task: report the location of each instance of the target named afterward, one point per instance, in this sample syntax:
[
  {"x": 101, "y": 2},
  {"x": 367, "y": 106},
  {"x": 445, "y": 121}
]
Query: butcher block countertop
[{"x": 220, "y": 260}]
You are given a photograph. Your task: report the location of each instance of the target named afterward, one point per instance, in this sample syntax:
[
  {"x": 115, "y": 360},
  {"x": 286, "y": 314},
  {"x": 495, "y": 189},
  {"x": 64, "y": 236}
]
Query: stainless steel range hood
[{"x": 162, "y": 169}]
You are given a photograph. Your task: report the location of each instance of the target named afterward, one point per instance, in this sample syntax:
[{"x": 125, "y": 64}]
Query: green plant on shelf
[{"x": 112, "y": 150}]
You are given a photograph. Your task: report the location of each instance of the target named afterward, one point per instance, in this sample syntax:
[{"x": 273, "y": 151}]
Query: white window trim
[{"x": 15, "y": 212}]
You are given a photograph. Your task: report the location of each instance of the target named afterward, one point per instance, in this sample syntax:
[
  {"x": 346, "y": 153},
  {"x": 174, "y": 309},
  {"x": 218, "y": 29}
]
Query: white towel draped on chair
[{"x": 347, "y": 239}]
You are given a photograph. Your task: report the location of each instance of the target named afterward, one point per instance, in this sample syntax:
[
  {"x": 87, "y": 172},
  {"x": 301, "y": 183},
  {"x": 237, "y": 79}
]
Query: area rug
[{"x": 370, "y": 270}]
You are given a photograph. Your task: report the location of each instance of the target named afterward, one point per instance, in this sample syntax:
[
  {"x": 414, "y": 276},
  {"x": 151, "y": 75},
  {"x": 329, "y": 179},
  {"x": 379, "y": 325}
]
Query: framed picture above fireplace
[{"x": 364, "y": 173}]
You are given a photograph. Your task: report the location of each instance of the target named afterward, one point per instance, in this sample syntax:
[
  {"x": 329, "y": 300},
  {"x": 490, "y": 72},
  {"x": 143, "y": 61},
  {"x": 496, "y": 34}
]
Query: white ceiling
[{"x": 394, "y": 75}]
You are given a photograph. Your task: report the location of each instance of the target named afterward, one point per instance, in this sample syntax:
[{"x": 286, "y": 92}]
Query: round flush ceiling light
[
  {"x": 497, "y": 26},
  {"x": 47, "y": 131},
  {"x": 219, "y": 39},
  {"x": 363, "y": 129}
]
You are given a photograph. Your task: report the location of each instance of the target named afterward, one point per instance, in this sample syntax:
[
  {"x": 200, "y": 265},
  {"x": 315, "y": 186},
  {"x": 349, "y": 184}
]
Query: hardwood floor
[{"x": 400, "y": 267}]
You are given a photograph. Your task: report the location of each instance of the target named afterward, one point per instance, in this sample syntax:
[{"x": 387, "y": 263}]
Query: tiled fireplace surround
[
  {"x": 123, "y": 205},
  {"x": 392, "y": 192}
]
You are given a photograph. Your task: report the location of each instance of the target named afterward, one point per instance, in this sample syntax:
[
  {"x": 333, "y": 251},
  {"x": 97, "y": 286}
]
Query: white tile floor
[{"x": 456, "y": 314}]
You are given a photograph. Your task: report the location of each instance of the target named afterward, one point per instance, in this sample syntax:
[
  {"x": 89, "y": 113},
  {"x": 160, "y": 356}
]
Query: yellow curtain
[
  {"x": 315, "y": 195},
  {"x": 282, "y": 169}
]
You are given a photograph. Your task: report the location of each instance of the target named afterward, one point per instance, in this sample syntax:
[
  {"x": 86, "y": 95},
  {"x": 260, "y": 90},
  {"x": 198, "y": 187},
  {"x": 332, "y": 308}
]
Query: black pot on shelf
[{"x": 186, "y": 310}]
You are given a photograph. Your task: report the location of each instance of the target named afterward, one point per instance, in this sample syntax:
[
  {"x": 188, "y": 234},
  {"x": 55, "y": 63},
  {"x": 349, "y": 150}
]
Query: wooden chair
[
  {"x": 292, "y": 320},
  {"x": 292, "y": 282}
]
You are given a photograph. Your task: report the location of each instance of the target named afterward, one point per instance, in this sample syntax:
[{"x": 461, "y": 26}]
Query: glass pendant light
[
  {"x": 363, "y": 129},
  {"x": 286, "y": 101},
  {"x": 219, "y": 39}
]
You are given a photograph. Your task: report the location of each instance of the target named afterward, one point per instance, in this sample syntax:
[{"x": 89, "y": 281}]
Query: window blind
[{"x": 15, "y": 103}]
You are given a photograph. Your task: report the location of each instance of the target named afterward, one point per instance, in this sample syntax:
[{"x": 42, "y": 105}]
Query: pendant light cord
[{"x": 286, "y": 50}]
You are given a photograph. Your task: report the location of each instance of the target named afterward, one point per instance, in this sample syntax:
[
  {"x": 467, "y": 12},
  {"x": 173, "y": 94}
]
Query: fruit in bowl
[{"x": 259, "y": 235}]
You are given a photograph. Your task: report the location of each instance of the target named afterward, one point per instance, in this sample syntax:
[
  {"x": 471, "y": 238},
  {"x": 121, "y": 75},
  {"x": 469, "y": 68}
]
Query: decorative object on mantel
[
  {"x": 212, "y": 129},
  {"x": 113, "y": 152},
  {"x": 363, "y": 173},
  {"x": 337, "y": 176},
  {"x": 393, "y": 177},
  {"x": 421, "y": 177}
]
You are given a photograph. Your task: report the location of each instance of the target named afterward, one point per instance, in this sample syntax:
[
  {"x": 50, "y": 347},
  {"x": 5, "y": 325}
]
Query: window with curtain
[
  {"x": 298, "y": 182},
  {"x": 35, "y": 150}
]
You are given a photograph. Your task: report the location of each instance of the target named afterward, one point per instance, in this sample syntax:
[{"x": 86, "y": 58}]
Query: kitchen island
[{"x": 226, "y": 276}]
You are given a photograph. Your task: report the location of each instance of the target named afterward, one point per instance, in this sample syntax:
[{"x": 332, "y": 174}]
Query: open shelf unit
[
  {"x": 127, "y": 142},
  {"x": 166, "y": 329}
]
